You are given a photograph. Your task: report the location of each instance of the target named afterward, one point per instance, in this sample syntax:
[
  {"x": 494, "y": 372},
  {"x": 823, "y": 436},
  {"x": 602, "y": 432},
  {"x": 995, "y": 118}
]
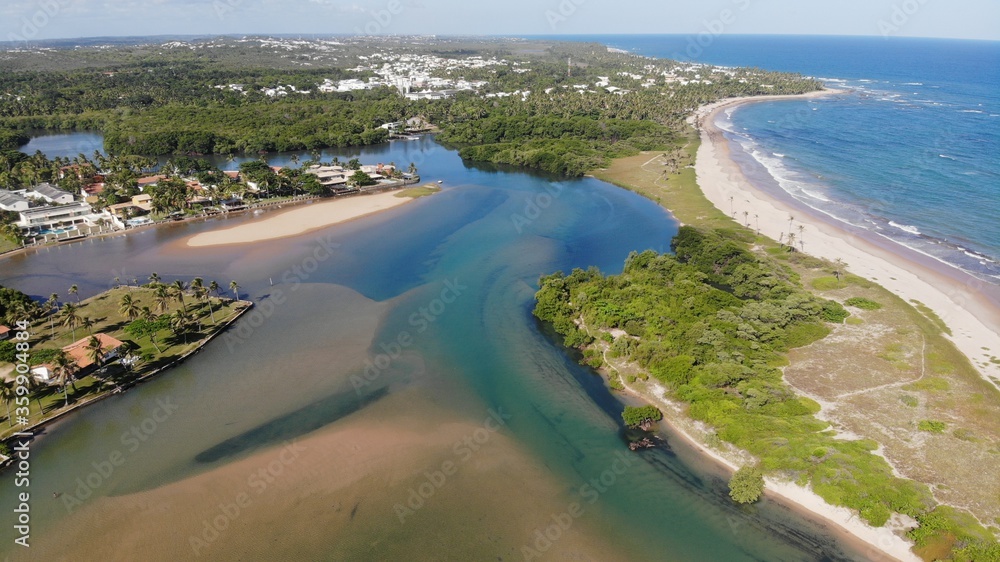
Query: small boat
[{"x": 440, "y": 181}]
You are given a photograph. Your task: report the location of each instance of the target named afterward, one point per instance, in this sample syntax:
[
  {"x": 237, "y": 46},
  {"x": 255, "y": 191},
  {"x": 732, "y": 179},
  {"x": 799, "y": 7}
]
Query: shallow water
[{"x": 381, "y": 345}]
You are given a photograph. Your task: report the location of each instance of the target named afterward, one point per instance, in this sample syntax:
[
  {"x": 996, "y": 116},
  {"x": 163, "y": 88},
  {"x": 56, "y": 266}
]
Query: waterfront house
[
  {"x": 60, "y": 217},
  {"x": 4, "y": 333},
  {"x": 80, "y": 353},
  {"x": 10, "y": 201},
  {"x": 50, "y": 194}
]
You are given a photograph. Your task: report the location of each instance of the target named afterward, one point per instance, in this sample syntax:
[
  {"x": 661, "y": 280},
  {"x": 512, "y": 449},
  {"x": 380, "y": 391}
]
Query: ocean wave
[
  {"x": 905, "y": 228},
  {"x": 815, "y": 195},
  {"x": 779, "y": 155},
  {"x": 971, "y": 111},
  {"x": 945, "y": 156},
  {"x": 913, "y": 83}
]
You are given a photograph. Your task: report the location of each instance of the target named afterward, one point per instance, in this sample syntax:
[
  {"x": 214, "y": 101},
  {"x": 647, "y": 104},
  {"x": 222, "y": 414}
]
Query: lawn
[{"x": 103, "y": 311}]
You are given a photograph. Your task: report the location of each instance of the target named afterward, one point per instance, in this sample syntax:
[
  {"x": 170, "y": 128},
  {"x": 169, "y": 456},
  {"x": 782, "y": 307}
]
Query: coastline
[
  {"x": 294, "y": 222},
  {"x": 967, "y": 305},
  {"x": 878, "y": 543}
]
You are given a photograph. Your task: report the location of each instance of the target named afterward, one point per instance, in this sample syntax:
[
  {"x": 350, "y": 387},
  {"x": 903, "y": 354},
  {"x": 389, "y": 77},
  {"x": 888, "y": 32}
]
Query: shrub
[
  {"x": 863, "y": 303},
  {"x": 932, "y": 426},
  {"x": 746, "y": 485},
  {"x": 634, "y": 417}
]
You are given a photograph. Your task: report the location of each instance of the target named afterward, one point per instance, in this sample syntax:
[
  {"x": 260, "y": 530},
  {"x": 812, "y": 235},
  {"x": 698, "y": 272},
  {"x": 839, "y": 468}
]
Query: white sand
[
  {"x": 301, "y": 220},
  {"x": 882, "y": 543},
  {"x": 974, "y": 321}
]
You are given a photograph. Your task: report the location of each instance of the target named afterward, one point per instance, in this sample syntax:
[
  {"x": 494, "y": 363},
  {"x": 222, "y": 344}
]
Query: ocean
[{"x": 910, "y": 151}]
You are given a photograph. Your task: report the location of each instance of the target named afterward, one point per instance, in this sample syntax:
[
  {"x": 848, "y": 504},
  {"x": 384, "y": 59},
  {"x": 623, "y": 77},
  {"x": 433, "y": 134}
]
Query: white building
[
  {"x": 51, "y": 218},
  {"x": 10, "y": 201},
  {"x": 49, "y": 193}
]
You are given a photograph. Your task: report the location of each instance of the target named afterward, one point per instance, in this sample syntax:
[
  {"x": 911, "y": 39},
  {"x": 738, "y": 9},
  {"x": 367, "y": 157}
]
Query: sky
[{"x": 51, "y": 19}]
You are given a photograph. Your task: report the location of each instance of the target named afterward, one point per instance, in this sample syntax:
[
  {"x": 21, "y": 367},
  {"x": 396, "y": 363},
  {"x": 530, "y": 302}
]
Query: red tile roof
[{"x": 79, "y": 353}]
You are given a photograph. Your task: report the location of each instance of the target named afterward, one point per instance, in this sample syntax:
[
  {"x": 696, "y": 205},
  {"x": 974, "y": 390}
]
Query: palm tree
[
  {"x": 200, "y": 292},
  {"x": 161, "y": 299},
  {"x": 180, "y": 322},
  {"x": 791, "y": 241},
  {"x": 8, "y": 393},
  {"x": 52, "y": 305},
  {"x": 802, "y": 239},
  {"x": 87, "y": 324},
  {"x": 71, "y": 317},
  {"x": 179, "y": 287},
  {"x": 154, "y": 279},
  {"x": 128, "y": 308},
  {"x": 74, "y": 290},
  {"x": 756, "y": 218},
  {"x": 235, "y": 287},
  {"x": 118, "y": 282},
  {"x": 214, "y": 287},
  {"x": 746, "y": 218},
  {"x": 790, "y": 219},
  {"x": 732, "y": 208},
  {"x": 95, "y": 349},
  {"x": 64, "y": 368},
  {"x": 146, "y": 314}
]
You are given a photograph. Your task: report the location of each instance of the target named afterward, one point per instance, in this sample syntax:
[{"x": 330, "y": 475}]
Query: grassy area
[
  {"x": 103, "y": 311},
  {"x": 877, "y": 377},
  {"x": 417, "y": 192},
  {"x": 7, "y": 245}
]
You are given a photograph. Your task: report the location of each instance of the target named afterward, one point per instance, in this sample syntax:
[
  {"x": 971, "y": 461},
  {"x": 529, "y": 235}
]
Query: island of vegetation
[{"x": 81, "y": 351}]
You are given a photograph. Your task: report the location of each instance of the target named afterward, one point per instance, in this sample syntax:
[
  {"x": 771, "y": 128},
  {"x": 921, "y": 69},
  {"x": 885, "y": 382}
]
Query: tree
[
  {"x": 64, "y": 368},
  {"x": 74, "y": 290},
  {"x": 127, "y": 308},
  {"x": 214, "y": 287},
  {"x": 746, "y": 485},
  {"x": 354, "y": 164},
  {"x": 8, "y": 392},
  {"x": 87, "y": 324},
  {"x": 180, "y": 323},
  {"x": 179, "y": 287},
  {"x": 154, "y": 278},
  {"x": 71, "y": 317},
  {"x": 161, "y": 299},
  {"x": 361, "y": 179},
  {"x": 235, "y": 288},
  {"x": 95, "y": 350},
  {"x": 636, "y": 417}
]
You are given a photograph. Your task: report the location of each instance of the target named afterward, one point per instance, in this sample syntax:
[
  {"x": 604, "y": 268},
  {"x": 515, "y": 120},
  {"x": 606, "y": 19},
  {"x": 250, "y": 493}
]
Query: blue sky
[{"x": 47, "y": 19}]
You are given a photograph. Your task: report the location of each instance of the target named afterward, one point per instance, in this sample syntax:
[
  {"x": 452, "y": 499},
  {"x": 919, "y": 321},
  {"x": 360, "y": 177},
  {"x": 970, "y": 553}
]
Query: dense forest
[
  {"x": 151, "y": 100},
  {"x": 712, "y": 324}
]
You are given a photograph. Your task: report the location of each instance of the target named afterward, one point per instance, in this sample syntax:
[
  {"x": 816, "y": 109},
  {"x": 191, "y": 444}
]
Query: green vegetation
[
  {"x": 932, "y": 426},
  {"x": 862, "y": 303},
  {"x": 637, "y": 416},
  {"x": 418, "y": 192},
  {"x": 746, "y": 485},
  {"x": 711, "y": 322},
  {"x": 157, "y": 324}
]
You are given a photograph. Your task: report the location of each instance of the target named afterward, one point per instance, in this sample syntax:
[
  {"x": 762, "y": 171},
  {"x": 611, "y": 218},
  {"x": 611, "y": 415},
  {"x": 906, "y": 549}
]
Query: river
[{"x": 392, "y": 397}]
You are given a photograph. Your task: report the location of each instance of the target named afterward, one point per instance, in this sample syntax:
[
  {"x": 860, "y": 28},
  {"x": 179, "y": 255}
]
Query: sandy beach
[
  {"x": 963, "y": 302},
  {"x": 300, "y": 220}
]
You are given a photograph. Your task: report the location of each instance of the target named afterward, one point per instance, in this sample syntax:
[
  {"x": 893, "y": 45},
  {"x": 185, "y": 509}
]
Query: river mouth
[{"x": 386, "y": 361}]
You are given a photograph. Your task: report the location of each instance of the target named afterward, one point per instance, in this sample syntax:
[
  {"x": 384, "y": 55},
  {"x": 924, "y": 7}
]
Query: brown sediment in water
[{"x": 335, "y": 494}]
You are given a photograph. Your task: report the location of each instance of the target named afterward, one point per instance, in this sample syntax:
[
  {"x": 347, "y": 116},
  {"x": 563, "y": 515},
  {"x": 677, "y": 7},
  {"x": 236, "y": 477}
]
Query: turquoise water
[
  {"x": 911, "y": 153},
  {"x": 487, "y": 236}
]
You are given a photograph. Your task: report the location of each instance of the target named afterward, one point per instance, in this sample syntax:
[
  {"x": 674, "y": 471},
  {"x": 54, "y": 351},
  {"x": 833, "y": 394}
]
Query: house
[
  {"x": 51, "y": 218},
  {"x": 147, "y": 181},
  {"x": 80, "y": 353},
  {"x": 44, "y": 372},
  {"x": 49, "y": 193},
  {"x": 330, "y": 176},
  {"x": 10, "y": 201},
  {"x": 4, "y": 333}
]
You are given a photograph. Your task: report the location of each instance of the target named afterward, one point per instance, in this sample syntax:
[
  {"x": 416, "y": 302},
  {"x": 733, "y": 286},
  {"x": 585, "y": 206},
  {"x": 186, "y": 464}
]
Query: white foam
[{"x": 905, "y": 228}]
